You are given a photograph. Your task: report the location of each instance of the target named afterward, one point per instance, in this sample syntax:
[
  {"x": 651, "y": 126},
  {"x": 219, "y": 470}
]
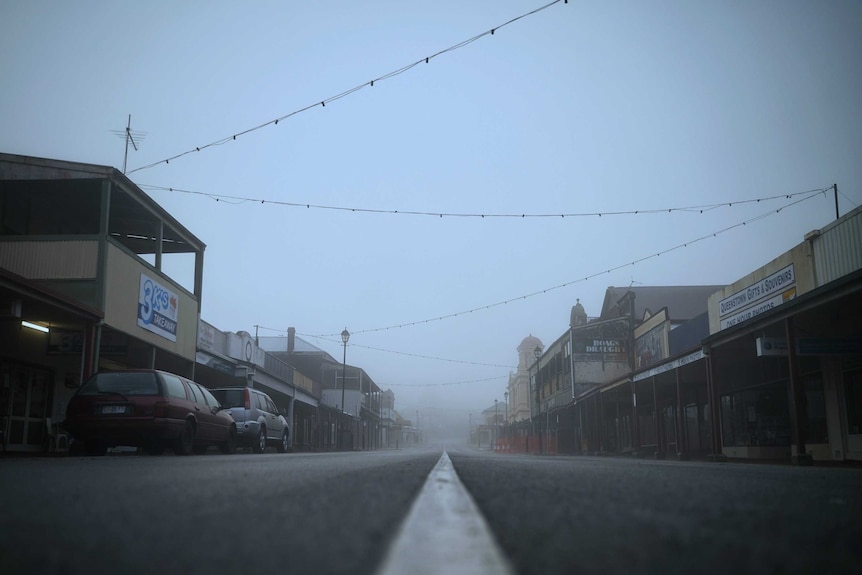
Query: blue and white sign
[{"x": 157, "y": 308}]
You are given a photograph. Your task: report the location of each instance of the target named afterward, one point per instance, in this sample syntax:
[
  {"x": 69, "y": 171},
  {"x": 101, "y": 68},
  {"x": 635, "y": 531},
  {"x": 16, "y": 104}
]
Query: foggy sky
[{"x": 582, "y": 108}]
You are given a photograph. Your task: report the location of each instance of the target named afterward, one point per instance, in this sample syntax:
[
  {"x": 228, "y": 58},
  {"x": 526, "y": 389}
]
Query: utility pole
[{"x": 835, "y": 193}]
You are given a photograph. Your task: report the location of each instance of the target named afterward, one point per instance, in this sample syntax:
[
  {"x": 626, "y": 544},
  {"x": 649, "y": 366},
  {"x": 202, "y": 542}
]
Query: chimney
[{"x": 291, "y": 339}]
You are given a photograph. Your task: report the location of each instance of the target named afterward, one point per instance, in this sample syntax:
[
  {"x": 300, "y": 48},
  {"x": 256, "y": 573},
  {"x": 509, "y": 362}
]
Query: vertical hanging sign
[{"x": 157, "y": 308}]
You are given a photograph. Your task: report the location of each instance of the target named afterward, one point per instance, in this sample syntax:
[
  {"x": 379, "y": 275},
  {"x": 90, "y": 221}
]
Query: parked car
[
  {"x": 150, "y": 409},
  {"x": 258, "y": 421}
]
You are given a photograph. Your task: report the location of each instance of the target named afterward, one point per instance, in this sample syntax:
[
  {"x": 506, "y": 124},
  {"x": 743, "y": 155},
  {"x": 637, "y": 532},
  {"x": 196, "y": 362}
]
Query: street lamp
[
  {"x": 345, "y": 335},
  {"x": 506, "y": 420}
]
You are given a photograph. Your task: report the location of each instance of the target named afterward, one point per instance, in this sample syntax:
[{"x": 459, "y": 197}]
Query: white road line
[{"x": 444, "y": 533}]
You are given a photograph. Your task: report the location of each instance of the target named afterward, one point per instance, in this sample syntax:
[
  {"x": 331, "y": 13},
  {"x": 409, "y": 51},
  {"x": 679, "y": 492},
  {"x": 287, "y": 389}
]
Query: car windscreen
[
  {"x": 121, "y": 383},
  {"x": 230, "y": 397}
]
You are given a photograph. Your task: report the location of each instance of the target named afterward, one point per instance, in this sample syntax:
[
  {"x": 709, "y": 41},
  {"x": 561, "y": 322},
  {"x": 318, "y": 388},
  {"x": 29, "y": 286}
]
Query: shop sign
[
  {"x": 759, "y": 297},
  {"x": 671, "y": 365},
  {"x": 206, "y": 336},
  {"x": 600, "y": 346},
  {"x": 157, "y": 308},
  {"x": 771, "y": 346}
]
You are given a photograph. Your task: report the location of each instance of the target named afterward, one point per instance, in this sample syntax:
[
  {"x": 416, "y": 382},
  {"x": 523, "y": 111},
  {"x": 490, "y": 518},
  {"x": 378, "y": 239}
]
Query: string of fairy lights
[
  {"x": 700, "y": 209},
  {"x": 322, "y": 103},
  {"x": 345, "y": 93},
  {"x": 230, "y": 199},
  {"x": 328, "y": 337},
  {"x": 651, "y": 256}
]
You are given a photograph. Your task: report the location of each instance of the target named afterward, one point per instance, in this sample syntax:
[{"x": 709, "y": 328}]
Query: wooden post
[{"x": 797, "y": 399}]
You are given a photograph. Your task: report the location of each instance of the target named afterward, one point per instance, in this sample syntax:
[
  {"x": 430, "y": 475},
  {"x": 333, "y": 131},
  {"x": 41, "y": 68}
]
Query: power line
[
  {"x": 370, "y": 83},
  {"x": 436, "y": 358},
  {"x": 607, "y": 271},
  {"x": 692, "y": 209},
  {"x": 447, "y": 383},
  {"x": 843, "y": 195},
  {"x": 317, "y": 337}
]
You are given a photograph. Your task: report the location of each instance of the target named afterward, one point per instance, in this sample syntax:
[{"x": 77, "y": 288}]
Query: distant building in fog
[{"x": 519, "y": 381}]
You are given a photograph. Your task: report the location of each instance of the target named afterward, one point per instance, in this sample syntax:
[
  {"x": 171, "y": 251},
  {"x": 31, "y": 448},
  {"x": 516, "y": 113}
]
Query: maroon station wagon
[{"x": 150, "y": 409}]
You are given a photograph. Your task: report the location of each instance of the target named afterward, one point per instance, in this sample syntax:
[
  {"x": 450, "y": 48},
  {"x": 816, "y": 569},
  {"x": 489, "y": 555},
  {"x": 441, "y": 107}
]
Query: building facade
[
  {"x": 85, "y": 258},
  {"x": 768, "y": 367},
  {"x": 94, "y": 275}
]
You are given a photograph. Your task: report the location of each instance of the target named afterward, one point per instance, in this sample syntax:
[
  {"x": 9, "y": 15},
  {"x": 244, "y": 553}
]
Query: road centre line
[{"x": 444, "y": 532}]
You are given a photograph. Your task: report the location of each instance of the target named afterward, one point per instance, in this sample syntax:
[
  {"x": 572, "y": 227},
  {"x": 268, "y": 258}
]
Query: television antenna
[{"x": 132, "y": 137}]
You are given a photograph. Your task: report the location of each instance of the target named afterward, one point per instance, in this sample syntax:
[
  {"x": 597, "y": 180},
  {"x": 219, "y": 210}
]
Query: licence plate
[{"x": 113, "y": 409}]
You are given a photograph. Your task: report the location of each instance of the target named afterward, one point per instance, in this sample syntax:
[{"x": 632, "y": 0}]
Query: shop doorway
[{"x": 23, "y": 407}]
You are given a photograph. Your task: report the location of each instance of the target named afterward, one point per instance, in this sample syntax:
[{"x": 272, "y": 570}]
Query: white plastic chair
[{"x": 58, "y": 440}]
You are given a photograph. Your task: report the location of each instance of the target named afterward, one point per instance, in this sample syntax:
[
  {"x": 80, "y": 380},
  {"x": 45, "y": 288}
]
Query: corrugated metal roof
[{"x": 838, "y": 248}]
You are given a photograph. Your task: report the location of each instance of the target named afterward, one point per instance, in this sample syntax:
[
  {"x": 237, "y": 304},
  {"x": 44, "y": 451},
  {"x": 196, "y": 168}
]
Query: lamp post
[
  {"x": 537, "y": 353},
  {"x": 345, "y": 335}
]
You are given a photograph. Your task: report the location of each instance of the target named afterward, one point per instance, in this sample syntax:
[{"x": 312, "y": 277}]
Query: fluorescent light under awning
[{"x": 35, "y": 326}]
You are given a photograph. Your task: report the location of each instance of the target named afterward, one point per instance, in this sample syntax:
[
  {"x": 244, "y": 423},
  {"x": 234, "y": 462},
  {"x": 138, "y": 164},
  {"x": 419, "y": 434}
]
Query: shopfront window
[
  {"x": 758, "y": 416},
  {"x": 853, "y": 397},
  {"x": 694, "y": 425},
  {"x": 646, "y": 418},
  {"x": 815, "y": 410}
]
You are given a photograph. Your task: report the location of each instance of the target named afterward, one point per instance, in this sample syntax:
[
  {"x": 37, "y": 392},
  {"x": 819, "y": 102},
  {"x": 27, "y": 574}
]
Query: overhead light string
[
  {"x": 322, "y": 103},
  {"x": 236, "y": 200},
  {"x": 586, "y": 278}
]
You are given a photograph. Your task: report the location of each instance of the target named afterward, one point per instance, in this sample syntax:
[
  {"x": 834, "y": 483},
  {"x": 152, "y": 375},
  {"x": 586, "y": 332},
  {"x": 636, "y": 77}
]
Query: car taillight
[
  {"x": 247, "y": 398},
  {"x": 160, "y": 409}
]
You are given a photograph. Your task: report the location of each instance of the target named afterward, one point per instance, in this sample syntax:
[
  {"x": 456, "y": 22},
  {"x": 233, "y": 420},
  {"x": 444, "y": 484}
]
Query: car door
[
  {"x": 180, "y": 402},
  {"x": 220, "y": 425},
  {"x": 273, "y": 422},
  {"x": 203, "y": 414}
]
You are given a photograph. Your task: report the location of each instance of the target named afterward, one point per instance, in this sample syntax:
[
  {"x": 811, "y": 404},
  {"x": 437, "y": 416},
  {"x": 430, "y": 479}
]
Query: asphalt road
[
  {"x": 241, "y": 514},
  {"x": 608, "y": 515},
  {"x": 337, "y": 513}
]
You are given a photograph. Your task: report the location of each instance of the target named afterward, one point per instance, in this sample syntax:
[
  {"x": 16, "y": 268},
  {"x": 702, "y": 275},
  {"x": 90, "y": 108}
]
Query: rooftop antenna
[
  {"x": 130, "y": 136},
  {"x": 634, "y": 282}
]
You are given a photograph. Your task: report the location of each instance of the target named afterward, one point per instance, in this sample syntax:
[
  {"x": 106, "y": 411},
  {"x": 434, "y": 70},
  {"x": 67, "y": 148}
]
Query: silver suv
[{"x": 258, "y": 421}]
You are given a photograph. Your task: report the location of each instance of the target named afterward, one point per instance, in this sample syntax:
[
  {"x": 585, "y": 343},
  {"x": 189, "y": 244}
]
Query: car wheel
[
  {"x": 229, "y": 446},
  {"x": 95, "y": 448},
  {"x": 260, "y": 444},
  {"x": 186, "y": 440},
  {"x": 284, "y": 444}
]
